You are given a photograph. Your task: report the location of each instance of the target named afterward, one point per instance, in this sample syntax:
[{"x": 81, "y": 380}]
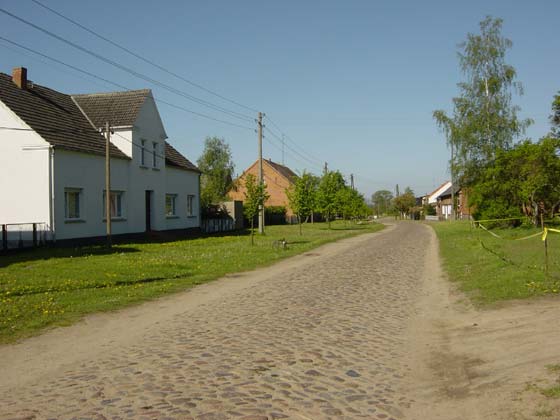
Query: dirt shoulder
[{"x": 480, "y": 364}]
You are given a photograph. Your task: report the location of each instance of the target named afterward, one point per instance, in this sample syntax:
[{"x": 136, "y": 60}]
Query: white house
[
  {"x": 433, "y": 196},
  {"x": 52, "y": 163}
]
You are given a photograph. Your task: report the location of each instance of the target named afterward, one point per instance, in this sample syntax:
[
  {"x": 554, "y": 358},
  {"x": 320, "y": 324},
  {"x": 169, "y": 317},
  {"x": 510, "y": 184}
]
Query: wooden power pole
[
  {"x": 108, "y": 182},
  {"x": 261, "y": 180}
]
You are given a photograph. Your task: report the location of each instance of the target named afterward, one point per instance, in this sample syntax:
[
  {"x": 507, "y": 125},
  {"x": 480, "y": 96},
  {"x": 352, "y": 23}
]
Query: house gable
[{"x": 277, "y": 179}]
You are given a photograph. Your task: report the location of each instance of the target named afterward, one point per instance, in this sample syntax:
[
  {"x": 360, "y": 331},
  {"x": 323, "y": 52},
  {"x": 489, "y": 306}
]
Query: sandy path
[
  {"x": 476, "y": 364},
  {"x": 364, "y": 328}
]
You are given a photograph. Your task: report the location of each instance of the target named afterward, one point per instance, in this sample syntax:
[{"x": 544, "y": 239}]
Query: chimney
[{"x": 19, "y": 77}]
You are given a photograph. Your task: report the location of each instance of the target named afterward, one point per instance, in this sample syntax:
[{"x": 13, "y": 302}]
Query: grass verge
[
  {"x": 57, "y": 286},
  {"x": 546, "y": 391},
  {"x": 491, "y": 269}
]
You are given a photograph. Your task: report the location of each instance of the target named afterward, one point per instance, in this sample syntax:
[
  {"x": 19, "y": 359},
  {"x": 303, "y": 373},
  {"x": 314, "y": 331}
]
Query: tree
[
  {"x": 381, "y": 201},
  {"x": 255, "y": 197},
  {"x": 555, "y": 117},
  {"x": 405, "y": 202},
  {"x": 350, "y": 203},
  {"x": 522, "y": 181},
  {"x": 301, "y": 197},
  {"x": 331, "y": 182},
  {"x": 484, "y": 121},
  {"x": 217, "y": 171}
]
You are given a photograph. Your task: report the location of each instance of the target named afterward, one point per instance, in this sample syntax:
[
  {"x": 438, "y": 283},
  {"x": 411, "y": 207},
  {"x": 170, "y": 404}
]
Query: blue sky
[{"x": 352, "y": 83}]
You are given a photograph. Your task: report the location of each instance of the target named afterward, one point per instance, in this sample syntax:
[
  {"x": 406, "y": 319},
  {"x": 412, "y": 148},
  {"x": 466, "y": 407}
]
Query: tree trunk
[{"x": 252, "y": 231}]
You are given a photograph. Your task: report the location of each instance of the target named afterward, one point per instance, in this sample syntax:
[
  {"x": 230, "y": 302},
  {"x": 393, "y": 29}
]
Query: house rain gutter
[
  {"x": 50, "y": 150},
  {"x": 51, "y": 193}
]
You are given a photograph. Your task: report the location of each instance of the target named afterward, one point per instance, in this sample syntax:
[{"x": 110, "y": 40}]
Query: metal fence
[
  {"x": 217, "y": 225},
  {"x": 23, "y": 235}
]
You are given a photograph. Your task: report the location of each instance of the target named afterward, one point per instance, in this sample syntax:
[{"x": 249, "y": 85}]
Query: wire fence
[{"x": 529, "y": 247}]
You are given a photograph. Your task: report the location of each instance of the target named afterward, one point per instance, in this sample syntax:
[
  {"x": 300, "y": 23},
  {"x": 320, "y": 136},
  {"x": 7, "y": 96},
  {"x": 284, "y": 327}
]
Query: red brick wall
[{"x": 276, "y": 185}]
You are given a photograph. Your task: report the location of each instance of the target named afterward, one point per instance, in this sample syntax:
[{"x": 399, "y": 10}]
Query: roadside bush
[{"x": 275, "y": 215}]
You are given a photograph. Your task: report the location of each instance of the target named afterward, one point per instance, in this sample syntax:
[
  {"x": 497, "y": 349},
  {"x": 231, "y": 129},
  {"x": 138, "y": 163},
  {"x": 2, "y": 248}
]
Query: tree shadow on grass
[
  {"x": 50, "y": 252},
  {"x": 93, "y": 285},
  {"x": 297, "y": 242}
]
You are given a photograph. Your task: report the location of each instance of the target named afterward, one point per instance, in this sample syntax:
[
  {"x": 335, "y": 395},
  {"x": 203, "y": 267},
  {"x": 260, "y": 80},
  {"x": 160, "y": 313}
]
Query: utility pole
[
  {"x": 326, "y": 169},
  {"x": 108, "y": 182},
  {"x": 352, "y": 180},
  {"x": 453, "y": 212},
  {"x": 261, "y": 180},
  {"x": 397, "y": 191}
]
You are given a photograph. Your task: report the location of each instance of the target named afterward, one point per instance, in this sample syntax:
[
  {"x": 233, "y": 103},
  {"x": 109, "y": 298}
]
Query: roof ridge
[{"x": 117, "y": 92}]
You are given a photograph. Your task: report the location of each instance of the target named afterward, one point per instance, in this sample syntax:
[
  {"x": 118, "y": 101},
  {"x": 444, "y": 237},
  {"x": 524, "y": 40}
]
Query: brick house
[
  {"x": 277, "y": 179},
  {"x": 444, "y": 208}
]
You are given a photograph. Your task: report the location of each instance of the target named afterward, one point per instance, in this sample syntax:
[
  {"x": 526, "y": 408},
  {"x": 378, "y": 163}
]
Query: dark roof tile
[
  {"x": 55, "y": 117},
  {"x": 120, "y": 109},
  {"x": 176, "y": 159},
  {"x": 283, "y": 170}
]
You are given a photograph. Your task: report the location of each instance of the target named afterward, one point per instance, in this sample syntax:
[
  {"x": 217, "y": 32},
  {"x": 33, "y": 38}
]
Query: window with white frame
[
  {"x": 190, "y": 205},
  {"x": 72, "y": 203},
  {"x": 154, "y": 154},
  {"x": 116, "y": 203},
  {"x": 170, "y": 205},
  {"x": 143, "y": 153}
]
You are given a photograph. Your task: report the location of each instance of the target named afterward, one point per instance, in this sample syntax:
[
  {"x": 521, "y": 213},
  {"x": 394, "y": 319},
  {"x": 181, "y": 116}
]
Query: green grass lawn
[
  {"x": 57, "y": 286},
  {"x": 491, "y": 269}
]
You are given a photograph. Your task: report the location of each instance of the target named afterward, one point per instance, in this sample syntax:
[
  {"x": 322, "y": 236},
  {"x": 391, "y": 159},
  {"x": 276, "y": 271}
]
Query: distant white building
[
  {"x": 52, "y": 164},
  {"x": 433, "y": 196}
]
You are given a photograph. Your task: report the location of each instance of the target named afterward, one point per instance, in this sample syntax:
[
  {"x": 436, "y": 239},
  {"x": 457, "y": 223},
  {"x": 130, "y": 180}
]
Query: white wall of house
[
  {"x": 85, "y": 173},
  {"x": 24, "y": 172},
  {"x": 35, "y": 178},
  {"x": 180, "y": 184},
  {"x": 432, "y": 199},
  {"x": 122, "y": 138}
]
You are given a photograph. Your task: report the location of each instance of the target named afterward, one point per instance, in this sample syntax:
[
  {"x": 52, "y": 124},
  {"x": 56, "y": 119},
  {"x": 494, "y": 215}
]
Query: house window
[
  {"x": 116, "y": 204},
  {"x": 190, "y": 205},
  {"x": 170, "y": 205},
  {"x": 143, "y": 153},
  {"x": 154, "y": 154},
  {"x": 72, "y": 199}
]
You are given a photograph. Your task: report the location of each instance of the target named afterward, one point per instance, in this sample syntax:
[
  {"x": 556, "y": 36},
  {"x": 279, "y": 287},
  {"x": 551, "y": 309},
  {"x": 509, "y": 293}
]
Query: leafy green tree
[
  {"x": 217, "y": 171},
  {"x": 301, "y": 197},
  {"x": 255, "y": 197},
  {"x": 405, "y": 202},
  {"x": 350, "y": 203},
  {"x": 381, "y": 201},
  {"x": 522, "y": 181},
  {"x": 555, "y": 117},
  {"x": 484, "y": 120},
  {"x": 329, "y": 185}
]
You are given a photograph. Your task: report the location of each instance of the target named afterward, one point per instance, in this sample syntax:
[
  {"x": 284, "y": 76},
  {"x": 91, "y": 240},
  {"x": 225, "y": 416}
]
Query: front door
[{"x": 148, "y": 211}]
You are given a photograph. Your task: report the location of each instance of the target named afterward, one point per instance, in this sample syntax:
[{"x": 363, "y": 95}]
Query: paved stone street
[{"x": 325, "y": 339}]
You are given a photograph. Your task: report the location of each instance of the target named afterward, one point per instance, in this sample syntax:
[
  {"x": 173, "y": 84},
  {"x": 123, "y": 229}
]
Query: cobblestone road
[{"x": 324, "y": 340}]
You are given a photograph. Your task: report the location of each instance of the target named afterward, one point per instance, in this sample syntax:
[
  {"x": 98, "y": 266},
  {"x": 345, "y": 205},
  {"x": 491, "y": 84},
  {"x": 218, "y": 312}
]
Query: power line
[
  {"x": 146, "y": 60},
  {"x": 290, "y": 148},
  {"x": 77, "y": 131},
  {"x": 121, "y": 86},
  {"x": 131, "y": 71},
  {"x": 317, "y": 160}
]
